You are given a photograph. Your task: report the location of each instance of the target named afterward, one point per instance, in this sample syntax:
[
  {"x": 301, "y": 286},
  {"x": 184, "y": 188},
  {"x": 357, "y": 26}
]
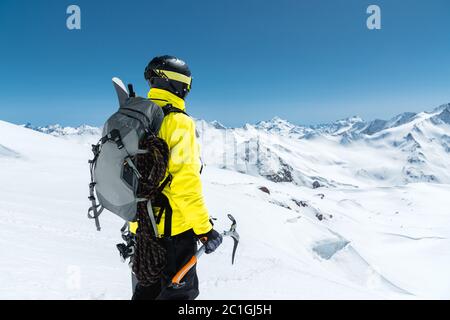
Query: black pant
[{"x": 180, "y": 249}]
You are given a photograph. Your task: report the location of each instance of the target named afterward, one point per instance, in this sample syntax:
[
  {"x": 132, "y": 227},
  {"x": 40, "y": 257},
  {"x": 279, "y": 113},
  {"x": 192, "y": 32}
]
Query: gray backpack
[{"x": 115, "y": 177}]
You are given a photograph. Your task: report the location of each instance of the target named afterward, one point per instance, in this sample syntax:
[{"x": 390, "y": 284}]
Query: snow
[{"x": 371, "y": 232}]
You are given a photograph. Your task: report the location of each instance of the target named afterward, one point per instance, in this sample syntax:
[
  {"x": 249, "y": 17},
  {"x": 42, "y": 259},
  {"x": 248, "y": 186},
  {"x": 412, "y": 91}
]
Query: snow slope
[
  {"x": 373, "y": 234},
  {"x": 45, "y": 237}
]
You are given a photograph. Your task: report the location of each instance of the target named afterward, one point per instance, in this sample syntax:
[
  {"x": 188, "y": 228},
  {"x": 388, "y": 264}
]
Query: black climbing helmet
[{"x": 169, "y": 73}]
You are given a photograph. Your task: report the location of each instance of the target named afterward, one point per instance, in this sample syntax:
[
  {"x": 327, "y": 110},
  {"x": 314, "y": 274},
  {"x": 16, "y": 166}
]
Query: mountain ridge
[
  {"x": 412, "y": 147},
  {"x": 279, "y": 125}
]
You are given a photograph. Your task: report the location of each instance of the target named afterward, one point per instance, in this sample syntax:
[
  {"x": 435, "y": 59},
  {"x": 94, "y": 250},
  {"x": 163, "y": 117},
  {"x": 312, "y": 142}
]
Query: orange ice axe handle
[{"x": 177, "y": 279}]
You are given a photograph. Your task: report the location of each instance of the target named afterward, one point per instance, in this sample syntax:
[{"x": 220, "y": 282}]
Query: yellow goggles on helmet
[{"x": 174, "y": 76}]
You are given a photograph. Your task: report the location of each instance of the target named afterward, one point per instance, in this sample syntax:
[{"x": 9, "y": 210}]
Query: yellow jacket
[{"x": 185, "y": 190}]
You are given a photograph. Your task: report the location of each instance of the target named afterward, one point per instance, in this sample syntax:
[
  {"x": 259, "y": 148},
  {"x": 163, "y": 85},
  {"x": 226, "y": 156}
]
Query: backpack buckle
[
  {"x": 114, "y": 135},
  {"x": 96, "y": 149}
]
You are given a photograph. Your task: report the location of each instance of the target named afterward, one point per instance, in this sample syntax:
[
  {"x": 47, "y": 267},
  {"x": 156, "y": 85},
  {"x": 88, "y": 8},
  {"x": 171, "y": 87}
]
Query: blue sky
[{"x": 310, "y": 61}]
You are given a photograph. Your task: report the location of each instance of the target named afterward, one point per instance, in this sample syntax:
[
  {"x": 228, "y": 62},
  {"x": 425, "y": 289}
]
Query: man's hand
[{"x": 211, "y": 240}]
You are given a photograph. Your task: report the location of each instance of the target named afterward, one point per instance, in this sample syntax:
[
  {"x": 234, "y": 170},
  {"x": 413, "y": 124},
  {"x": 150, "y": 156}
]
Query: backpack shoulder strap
[{"x": 168, "y": 108}]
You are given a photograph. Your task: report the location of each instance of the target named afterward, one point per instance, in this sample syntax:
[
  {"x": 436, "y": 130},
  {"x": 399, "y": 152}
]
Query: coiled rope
[{"x": 149, "y": 258}]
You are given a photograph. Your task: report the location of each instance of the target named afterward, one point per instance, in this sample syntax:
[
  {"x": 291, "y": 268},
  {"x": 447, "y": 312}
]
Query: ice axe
[{"x": 176, "y": 280}]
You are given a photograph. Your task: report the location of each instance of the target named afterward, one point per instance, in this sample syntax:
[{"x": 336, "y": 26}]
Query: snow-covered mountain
[
  {"x": 407, "y": 148},
  {"x": 59, "y": 131},
  {"x": 84, "y": 133},
  {"x": 410, "y": 147},
  {"x": 377, "y": 228}
]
